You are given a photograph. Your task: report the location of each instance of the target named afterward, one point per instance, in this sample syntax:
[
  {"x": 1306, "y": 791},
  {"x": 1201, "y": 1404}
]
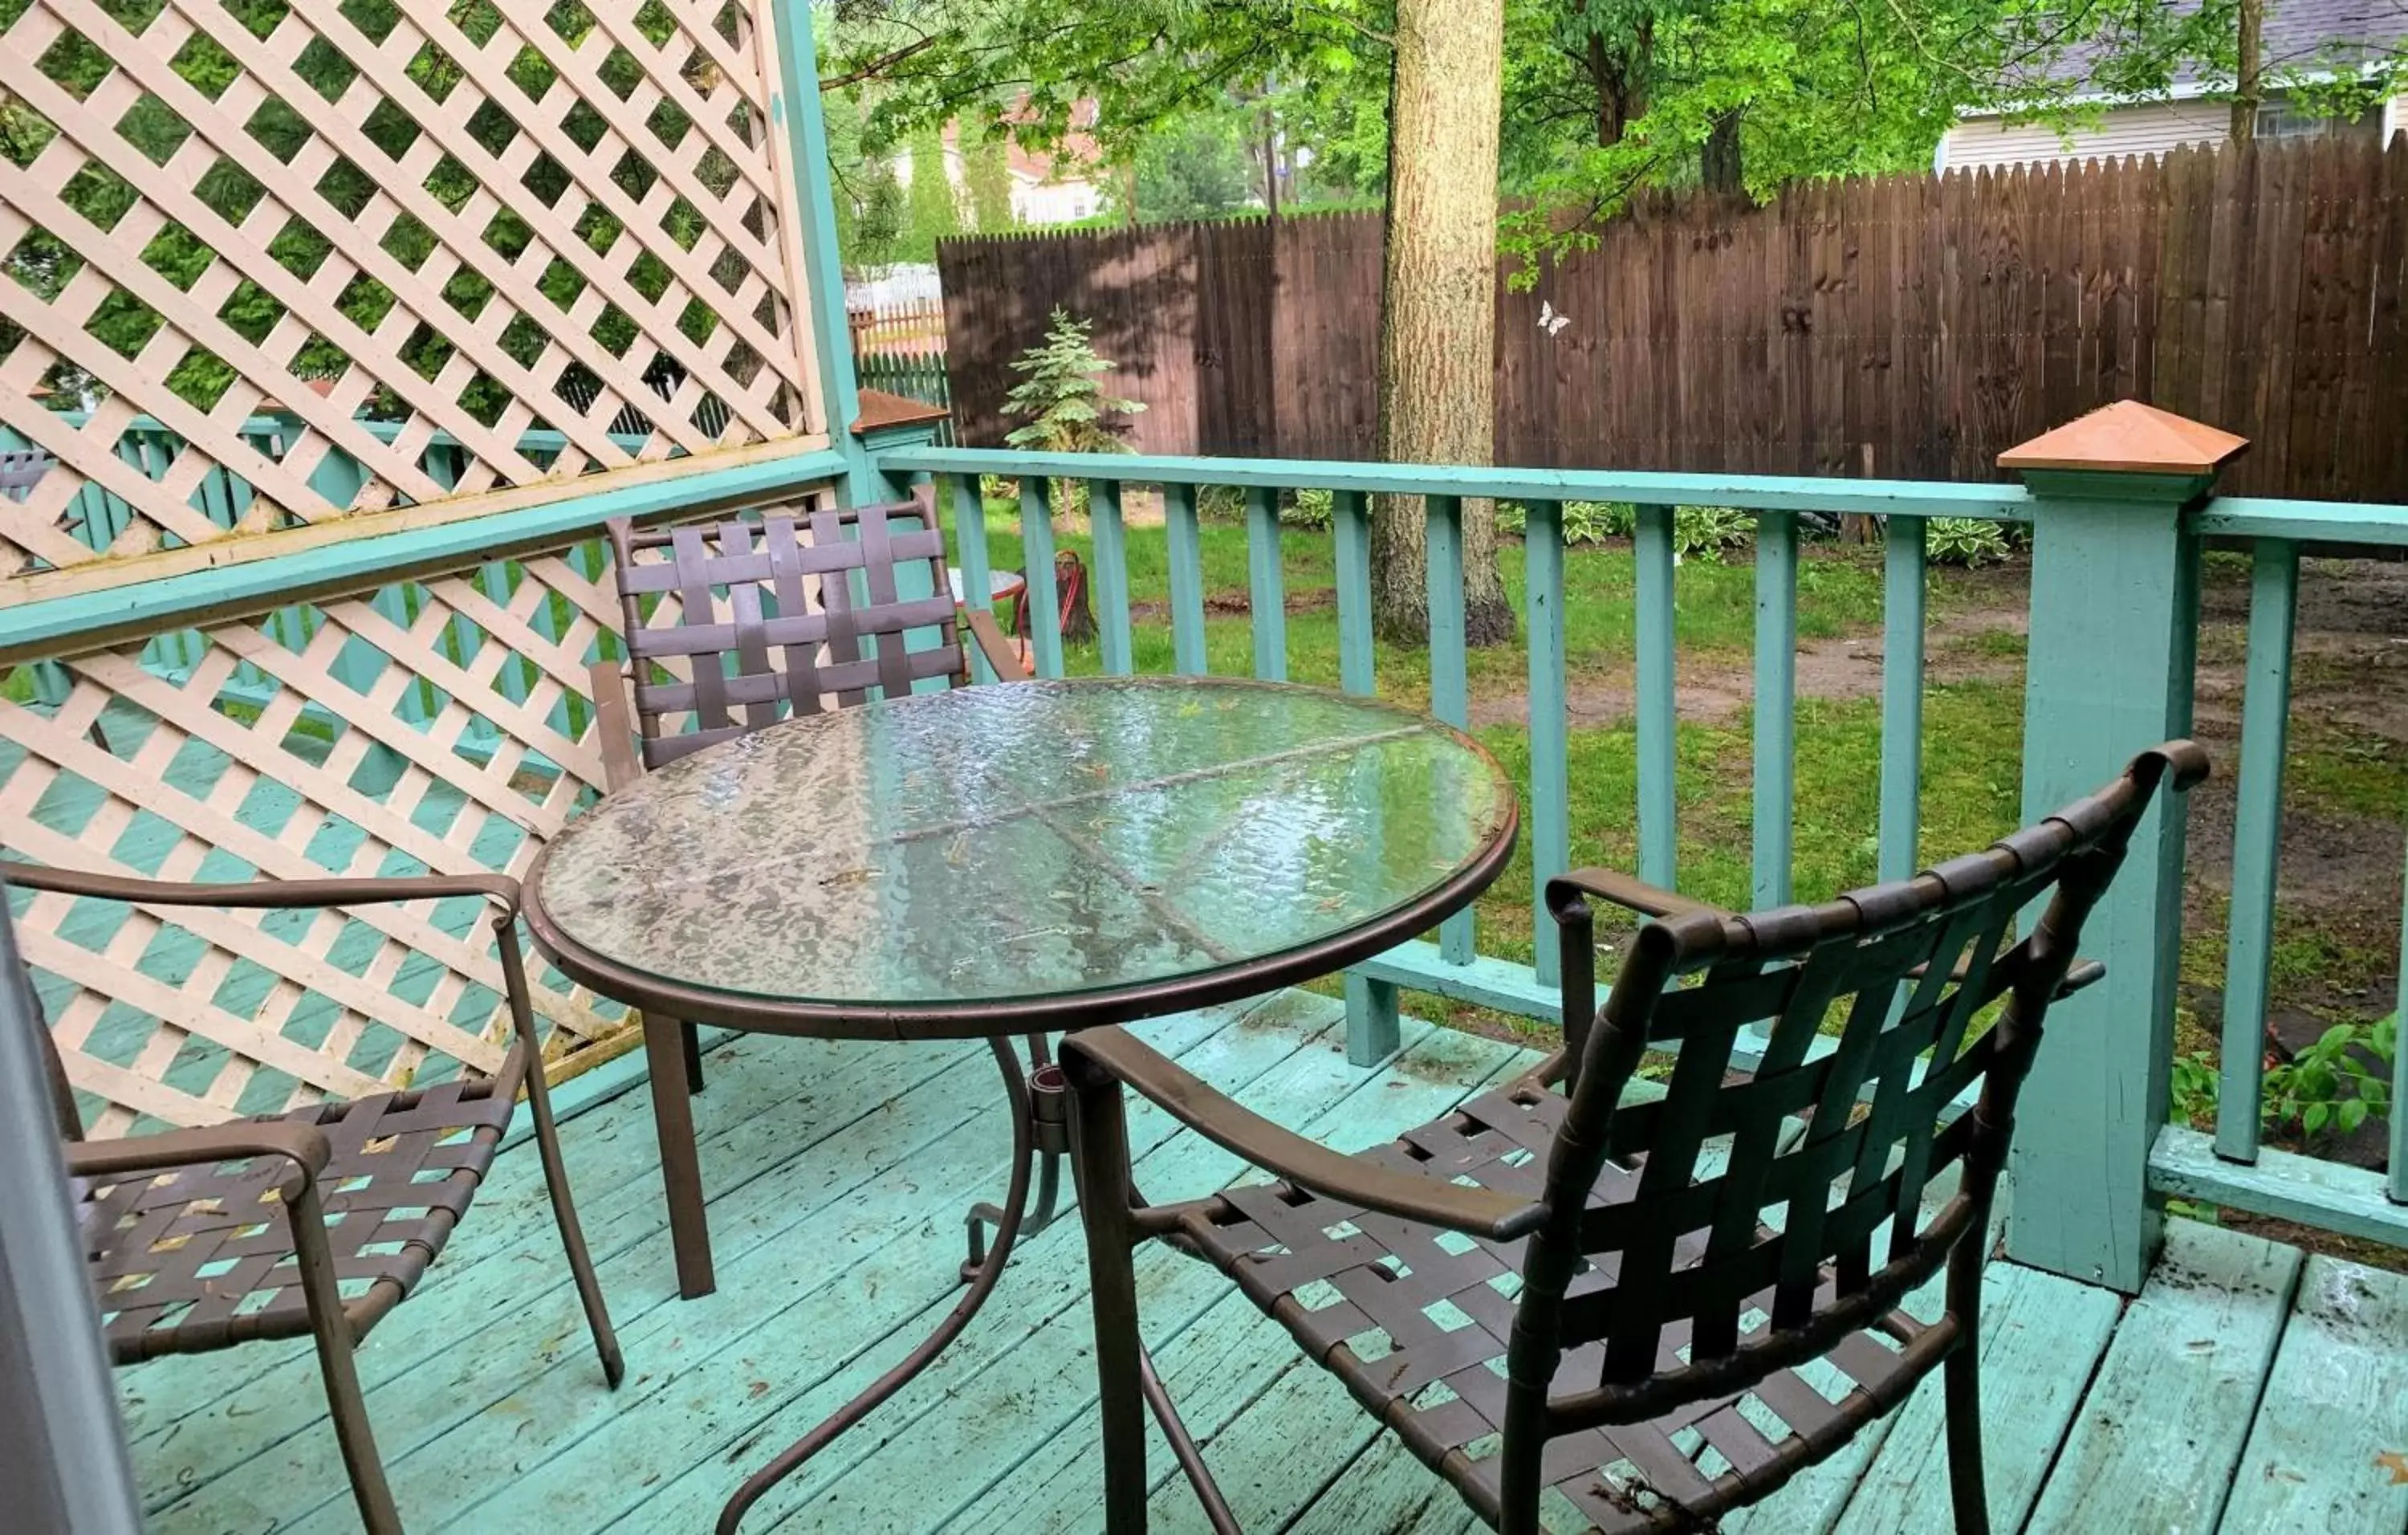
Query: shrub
[
  {"x": 1584, "y": 521},
  {"x": 1704, "y": 531},
  {"x": 1060, "y": 400},
  {"x": 1970, "y": 541}
]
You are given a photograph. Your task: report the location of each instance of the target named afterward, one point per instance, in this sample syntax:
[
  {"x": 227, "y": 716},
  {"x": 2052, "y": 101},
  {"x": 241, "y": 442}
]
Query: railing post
[
  {"x": 2114, "y": 613},
  {"x": 802, "y": 151}
]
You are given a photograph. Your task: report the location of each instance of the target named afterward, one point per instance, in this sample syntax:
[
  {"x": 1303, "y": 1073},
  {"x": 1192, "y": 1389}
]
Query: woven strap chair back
[{"x": 781, "y": 615}]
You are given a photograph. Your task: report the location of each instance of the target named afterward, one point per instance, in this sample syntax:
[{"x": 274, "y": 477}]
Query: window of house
[
  {"x": 1079, "y": 209},
  {"x": 2281, "y": 120}
]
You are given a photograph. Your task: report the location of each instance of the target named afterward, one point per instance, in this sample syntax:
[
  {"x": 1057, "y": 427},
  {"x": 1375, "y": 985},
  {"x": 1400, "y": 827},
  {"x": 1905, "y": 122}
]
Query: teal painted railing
[
  {"x": 2114, "y": 614},
  {"x": 2132, "y": 532}
]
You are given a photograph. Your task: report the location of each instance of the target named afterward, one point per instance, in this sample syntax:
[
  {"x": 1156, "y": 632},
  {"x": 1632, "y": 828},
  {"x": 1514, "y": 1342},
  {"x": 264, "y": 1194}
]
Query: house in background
[
  {"x": 2316, "y": 37},
  {"x": 1048, "y": 187}
]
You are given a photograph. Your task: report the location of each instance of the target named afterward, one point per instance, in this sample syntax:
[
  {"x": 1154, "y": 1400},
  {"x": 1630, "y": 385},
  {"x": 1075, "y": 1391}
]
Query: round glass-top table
[
  {"x": 1036, "y": 854},
  {"x": 1017, "y": 859}
]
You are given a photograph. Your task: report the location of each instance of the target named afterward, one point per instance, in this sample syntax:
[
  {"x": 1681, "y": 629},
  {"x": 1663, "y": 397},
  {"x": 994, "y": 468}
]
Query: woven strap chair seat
[
  {"x": 197, "y": 1257},
  {"x": 1414, "y": 1319}
]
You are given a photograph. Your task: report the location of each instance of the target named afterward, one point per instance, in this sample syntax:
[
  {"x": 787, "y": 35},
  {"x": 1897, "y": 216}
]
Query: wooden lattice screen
[
  {"x": 438, "y": 725},
  {"x": 302, "y": 258}
]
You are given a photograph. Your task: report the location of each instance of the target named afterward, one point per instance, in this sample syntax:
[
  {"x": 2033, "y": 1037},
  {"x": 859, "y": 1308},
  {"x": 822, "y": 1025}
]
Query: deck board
[
  {"x": 2328, "y": 1449},
  {"x": 1006, "y": 1401},
  {"x": 837, "y": 1174},
  {"x": 2041, "y": 1335},
  {"x": 2161, "y": 1429}
]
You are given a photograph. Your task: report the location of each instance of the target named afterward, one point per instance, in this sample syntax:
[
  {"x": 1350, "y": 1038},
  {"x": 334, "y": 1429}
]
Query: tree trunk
[
  {"x": 1437, "y": 311},
  {"x": 1718, "y": 165},
  {"x": 2247, "y": 90}
]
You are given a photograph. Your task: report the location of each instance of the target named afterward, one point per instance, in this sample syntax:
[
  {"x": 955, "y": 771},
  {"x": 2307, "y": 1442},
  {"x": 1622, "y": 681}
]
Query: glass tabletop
[{"x": 1041, "y": 840}]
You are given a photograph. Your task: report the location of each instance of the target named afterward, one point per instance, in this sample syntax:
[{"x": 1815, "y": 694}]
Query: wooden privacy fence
[{"x": 1898, "y": 327}]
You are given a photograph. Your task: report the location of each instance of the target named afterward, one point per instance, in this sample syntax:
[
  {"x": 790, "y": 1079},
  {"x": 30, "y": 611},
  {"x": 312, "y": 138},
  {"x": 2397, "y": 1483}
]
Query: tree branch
[{"x": 876, "y": 66}]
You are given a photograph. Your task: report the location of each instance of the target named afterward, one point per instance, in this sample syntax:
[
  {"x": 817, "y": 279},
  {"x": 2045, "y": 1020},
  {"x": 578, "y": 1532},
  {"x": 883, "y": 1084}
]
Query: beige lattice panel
[
  {"x": 438, "y": 728},
  {"x": 583, "y": 232}
]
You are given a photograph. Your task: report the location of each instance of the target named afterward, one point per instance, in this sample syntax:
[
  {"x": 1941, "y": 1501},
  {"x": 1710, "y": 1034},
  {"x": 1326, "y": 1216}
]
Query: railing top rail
[
  {"x": 2312, "y": 522},
  {"x": 336, "y": 559},
  {"x": 1759, "y": 493}
]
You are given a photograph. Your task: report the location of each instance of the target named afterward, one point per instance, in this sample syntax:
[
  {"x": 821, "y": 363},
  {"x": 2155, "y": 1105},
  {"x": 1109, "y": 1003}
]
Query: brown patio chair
[
  {"x": 183, "y": 1251},
  {"x": 1629, "y": 1317},
  {"x": 770, "y": 625}
]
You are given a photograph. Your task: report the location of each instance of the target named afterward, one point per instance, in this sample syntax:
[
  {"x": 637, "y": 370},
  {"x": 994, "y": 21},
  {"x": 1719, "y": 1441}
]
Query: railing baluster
[
  {"x": 1776, "y": 698},
  {"x": 1542, "y": 554},
  {"x": 1266, "y": 598},
  {"x": 1901, "y": 736},
  {"x": 1186, "y": 579},
  {"x": 1349, "y": 518},
  {"x": 1658, "y": 714},
  {"x": 2399, "y": 1065},
  {"x": 2256, "y": 839},
  {"x": 1374, "y": 1029},
  {"x": 1037, "y": 557},
  {"x": 1450, "y": 679},
  {"x": 1111, "y": 575},
  {"x": 970, "y": 546}
]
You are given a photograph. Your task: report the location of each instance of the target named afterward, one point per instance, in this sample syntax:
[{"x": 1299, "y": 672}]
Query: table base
[{"x": 1038, "y": 1134}]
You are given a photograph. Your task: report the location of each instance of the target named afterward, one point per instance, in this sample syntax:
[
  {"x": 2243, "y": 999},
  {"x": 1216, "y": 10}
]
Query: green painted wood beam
[
  {"x": 87, "y": 619},
  {"x": 2114, "y": 612},
  {"x": 2328, "y": 1196},
  {"x": 2256, "y": 838},
  {"x": 1111, "y": 575},
  {"x": 1449, "y": 660},
  {"x": 1265, "y": 594},
  {"x": 2400, "y": 1065},
  {"x": 1036, "y": 562},
  {"x": 1501, "y": 985},
  {"x": 1186, "y": 542},
  {"x": 795, "y": 111},
  {"x": 1659, "y": 829},
  {"x": 1901, "y": 738},
  {"x": 969, "y": 549},
  {"x": 1760, "y": 492},
  {"x": 2317, "y": 521},
  {"x": 1357, "y": 655},
  {"x": 1550, "y": 824},
  {"x": 1775, "y": 731}
]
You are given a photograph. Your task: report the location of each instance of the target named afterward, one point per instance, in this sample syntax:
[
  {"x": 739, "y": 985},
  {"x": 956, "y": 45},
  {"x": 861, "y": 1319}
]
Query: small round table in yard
[{"x": 1014, "y": 859}]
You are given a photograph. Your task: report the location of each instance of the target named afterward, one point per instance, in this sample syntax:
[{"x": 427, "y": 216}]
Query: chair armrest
[
  {"x": 255, "y": 894},
  {"x": 305, "y": 1146},
  {"x": 1001, "y": 656},
  {"x": 614, "y": 721},
  {"x": 1479, "y": 1212},
  {"x": 1622, "y": 890}
]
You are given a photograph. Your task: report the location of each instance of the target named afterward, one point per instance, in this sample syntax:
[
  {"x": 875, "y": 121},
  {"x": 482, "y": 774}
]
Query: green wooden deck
[{"x": 2246, "y": 1390}]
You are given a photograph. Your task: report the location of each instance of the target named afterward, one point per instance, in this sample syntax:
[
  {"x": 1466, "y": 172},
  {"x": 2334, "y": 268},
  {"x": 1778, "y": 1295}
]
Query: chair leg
[
  {"x": 1099, "y": 1164},
  {"x": 330, "y": 1328},
  {"x": 572, "y": 1236},
  {"x": 693, "y": 1057},
  {"x": 1961, "y": 1381}
]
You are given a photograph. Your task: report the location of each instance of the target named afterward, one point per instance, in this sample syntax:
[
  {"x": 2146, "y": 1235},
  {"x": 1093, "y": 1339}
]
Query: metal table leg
[
  {"x": 1035, "y": 1099},
  {"x": 1053, "y": 1137}
]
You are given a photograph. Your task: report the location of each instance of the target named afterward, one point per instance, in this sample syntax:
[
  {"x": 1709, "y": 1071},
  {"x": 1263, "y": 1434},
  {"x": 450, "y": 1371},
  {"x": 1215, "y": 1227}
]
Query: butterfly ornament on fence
[{"x": 1549, "y": 321}]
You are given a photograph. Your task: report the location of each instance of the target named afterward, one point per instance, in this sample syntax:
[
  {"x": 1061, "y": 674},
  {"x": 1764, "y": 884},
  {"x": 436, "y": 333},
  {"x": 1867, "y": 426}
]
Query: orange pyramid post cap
[{"x": 2129, "y": 437}]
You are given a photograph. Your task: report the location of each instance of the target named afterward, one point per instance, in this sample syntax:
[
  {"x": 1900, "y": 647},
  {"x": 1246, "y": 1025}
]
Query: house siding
[{"x": 2154, "y": 127}]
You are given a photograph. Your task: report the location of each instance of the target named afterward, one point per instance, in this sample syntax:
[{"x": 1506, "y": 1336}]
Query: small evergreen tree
[{"x": 1060, "y": 400}]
